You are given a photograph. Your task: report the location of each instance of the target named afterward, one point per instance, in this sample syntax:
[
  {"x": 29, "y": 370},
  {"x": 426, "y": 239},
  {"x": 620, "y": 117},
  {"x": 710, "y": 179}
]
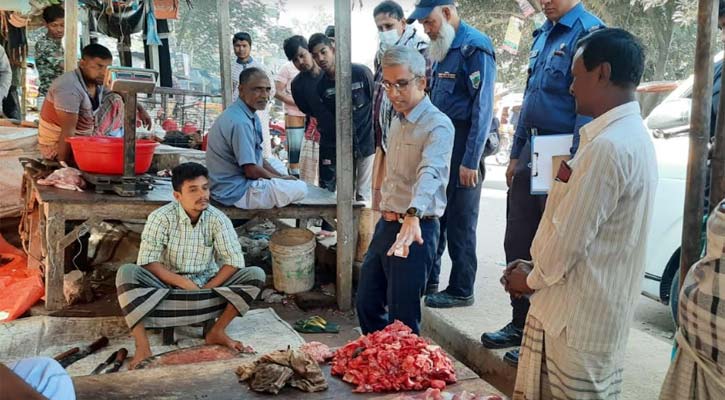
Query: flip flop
[{"x": 316, "y": 324}]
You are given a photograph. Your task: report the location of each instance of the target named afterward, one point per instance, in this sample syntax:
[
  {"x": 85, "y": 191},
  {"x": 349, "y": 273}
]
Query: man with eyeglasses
[{"x": 413, "y": 198}]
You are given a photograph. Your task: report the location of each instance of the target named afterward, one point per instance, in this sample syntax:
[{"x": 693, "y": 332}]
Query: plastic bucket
[
  {"x": 104, "y": 155},
  {"x": 293, "y": 260}
]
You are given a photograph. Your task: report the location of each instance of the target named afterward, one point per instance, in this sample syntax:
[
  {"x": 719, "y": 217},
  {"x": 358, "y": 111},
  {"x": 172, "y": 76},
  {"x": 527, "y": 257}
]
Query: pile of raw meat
[{"x": 393, "y": 359}]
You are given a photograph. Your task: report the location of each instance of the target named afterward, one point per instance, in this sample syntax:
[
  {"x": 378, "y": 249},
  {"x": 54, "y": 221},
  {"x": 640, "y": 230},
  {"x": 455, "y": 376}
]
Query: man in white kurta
[{"x": 589, "y": 250}]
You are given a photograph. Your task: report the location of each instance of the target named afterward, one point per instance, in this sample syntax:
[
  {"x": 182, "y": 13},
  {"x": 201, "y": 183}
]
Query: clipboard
[{"x": 545, "y": 149}]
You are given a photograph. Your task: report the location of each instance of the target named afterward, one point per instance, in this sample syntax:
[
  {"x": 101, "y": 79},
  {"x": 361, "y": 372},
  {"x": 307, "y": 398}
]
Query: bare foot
[
  {"x": 221, "y": 338},
  {"x": 141, "y": 354}
]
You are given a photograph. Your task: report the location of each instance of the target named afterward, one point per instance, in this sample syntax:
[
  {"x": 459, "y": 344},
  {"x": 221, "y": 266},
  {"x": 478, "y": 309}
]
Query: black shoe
[
  {"x": 431, "y": 288},
  {"x": 445, "y": 300},
  {"x": 508, "y": 336},
  {"x": 512, "y": 357}
]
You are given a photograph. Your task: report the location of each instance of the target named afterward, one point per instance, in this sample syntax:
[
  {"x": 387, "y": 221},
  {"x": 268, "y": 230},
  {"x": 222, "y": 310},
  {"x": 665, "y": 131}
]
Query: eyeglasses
[{"x": 399, "y": 85}]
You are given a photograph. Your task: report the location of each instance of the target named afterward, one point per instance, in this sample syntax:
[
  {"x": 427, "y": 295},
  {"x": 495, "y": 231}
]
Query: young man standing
[
  {"x": 588, "y": 255},
  {"x": 413, "y": 197},
  {"x": 239, "y": 173},
  {"x": 190, "y": 268},
  {"x": 304, "y": 93},
  {"x": 323, "y": 51},
  {"x": 49, "y": 56}
]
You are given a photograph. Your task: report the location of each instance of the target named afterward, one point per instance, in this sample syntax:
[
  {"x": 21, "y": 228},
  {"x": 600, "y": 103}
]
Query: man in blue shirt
[
  {"x": 239, "y": 174},
  {"x": 463, "y": 82},
  {"x": 548, "y": 108}
]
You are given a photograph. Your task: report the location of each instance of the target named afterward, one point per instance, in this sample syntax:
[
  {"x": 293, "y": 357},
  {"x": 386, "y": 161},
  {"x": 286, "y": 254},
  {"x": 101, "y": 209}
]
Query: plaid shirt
[{"x": 195, "y": 251}]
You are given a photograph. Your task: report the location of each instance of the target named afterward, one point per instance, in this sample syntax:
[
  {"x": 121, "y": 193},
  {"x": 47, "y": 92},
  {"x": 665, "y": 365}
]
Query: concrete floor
[{"x": 458, "y": 330}]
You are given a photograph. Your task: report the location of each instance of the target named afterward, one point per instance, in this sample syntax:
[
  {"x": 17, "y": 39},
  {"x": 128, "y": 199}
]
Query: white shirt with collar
[{"x": 589, "y": 250}]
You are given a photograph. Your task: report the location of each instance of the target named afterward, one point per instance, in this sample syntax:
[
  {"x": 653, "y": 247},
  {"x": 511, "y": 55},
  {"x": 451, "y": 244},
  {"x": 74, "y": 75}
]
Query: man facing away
[
  {"x": 548, "y": 108},
  {"x": 463, "y": 83},
  {"x": 239, "y": 173},
  {"x": 190, "y": 268},
  {"x": 413, "y": 198},
  {"x": 589, "y": 250}
]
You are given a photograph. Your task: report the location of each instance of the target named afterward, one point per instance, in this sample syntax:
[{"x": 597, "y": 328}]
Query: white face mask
[{"x": 389, "y": 38}]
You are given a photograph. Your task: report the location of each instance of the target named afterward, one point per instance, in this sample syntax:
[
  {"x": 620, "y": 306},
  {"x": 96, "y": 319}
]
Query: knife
[
  {"x": 75, "y": 356},
  {"x": 115, "y": 361}
]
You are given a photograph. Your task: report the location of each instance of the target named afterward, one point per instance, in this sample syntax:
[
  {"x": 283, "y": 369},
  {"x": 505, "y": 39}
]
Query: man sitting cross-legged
[{"x": 190, "y": 268}]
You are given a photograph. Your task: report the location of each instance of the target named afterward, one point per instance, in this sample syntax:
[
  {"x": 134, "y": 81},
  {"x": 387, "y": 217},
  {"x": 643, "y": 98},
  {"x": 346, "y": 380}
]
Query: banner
[{"x": 513, "y": 35}]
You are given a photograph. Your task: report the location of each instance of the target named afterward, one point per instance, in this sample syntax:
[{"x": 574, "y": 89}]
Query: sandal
[{"x": 316, "y": 324}]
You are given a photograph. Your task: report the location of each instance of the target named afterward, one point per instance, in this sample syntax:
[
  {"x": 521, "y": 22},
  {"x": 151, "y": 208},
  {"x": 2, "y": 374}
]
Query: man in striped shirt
[
  {"x": 589, "y": 251},
  {"x": 190, "y": 268}
]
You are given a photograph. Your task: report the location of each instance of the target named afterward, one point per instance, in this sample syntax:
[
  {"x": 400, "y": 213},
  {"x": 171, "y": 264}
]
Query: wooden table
[
  {"x": 216, "y": 380},
  {"x": 89, "y": 209}
]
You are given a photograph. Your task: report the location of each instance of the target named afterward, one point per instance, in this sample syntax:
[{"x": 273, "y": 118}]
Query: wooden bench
[{"x": 88, "y": 209}]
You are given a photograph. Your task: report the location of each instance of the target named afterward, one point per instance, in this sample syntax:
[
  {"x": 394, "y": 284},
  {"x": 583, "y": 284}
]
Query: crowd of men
[{"x": 421, "y": 122}]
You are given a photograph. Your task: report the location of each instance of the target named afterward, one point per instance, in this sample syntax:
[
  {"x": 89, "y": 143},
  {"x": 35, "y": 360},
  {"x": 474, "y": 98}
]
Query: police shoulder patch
[{"x": 475, "y": 79}]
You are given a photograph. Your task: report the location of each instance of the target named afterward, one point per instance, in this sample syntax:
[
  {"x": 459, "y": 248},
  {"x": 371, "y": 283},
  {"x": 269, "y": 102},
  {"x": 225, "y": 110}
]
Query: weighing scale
[{"x": 127, "y": 82}]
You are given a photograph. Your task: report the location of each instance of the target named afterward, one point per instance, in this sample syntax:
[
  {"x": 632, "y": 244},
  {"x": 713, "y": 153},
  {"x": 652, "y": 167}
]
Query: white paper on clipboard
[{"x": 543, "y": 149}]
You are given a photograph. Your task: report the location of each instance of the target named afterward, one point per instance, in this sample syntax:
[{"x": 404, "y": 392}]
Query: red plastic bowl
[{"x": 104, "y": 155}]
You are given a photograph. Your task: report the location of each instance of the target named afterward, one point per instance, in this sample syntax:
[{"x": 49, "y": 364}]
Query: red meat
[{"x": 393, "y": 359}]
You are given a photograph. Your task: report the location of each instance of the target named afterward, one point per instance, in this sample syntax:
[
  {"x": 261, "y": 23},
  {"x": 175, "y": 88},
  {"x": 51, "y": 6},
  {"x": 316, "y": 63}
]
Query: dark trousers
[
  {"x": 459, "y": 222},
  {"x": 523, "y": 214},
  {"x": 394, "y": 282}
]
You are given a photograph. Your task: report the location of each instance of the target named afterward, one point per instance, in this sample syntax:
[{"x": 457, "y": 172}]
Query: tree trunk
[{"x": 662, "y": 17}]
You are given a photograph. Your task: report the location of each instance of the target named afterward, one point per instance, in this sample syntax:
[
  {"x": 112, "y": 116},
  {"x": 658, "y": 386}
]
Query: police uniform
[
  {"x": 548, "y": 108},
  {"x": 463, "y": 85}
]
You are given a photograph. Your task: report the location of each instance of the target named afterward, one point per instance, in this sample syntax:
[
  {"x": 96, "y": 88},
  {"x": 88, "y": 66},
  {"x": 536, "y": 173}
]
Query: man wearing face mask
[
  {"x": 392, "y": 30},
  {"x": 463, "y": 81},
  {"x": 548, "y": 108}
]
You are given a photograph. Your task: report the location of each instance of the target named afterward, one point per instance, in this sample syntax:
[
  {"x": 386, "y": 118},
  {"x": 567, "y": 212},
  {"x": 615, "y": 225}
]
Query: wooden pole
[
  {"x": 225, "y": 51},
  {"x": 344, "y": 163},
  {"x": 699, "y": 138},
  {"x": 717, "y": 162},
  {"x": 71, "y": 35}
]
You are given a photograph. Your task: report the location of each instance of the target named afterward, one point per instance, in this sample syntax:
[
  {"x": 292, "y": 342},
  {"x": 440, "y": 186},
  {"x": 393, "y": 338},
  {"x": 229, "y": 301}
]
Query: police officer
[
  {"x": 463, "y": 82},
  {"x": 548, "y": 108}
]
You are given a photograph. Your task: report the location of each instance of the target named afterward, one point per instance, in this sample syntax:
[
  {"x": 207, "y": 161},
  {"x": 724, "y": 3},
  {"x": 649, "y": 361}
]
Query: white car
[{"x": 669, "y": 124}]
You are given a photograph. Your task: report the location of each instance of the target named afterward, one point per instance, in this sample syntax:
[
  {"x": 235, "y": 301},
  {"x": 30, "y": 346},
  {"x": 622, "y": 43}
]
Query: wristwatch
[{"x": 414, "y": 212}]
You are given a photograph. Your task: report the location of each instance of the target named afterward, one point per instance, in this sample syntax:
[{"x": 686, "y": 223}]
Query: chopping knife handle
[
  {"x": 67, "y": 353},
  {"x": 121, "y": 356},
  {"x": 98, "y": 344}
]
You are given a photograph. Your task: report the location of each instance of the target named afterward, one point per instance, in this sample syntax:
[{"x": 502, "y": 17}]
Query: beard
[{"x": 438, "y": 48}]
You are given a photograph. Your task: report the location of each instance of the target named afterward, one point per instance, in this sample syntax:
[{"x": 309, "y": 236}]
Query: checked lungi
[
  {"x": 144, "y": 298},
  {"x": 550, "y": 369},
  {"x": 698, "y": 370}
]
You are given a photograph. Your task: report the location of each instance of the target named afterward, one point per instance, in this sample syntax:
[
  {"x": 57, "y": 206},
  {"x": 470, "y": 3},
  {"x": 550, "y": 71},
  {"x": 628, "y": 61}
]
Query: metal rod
[
  {"x": 717, "y": 162},
  {"x": 344, "y": 162},
  {"x": 225, "y": 52},
  {"x": 699, "y": 137}
]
